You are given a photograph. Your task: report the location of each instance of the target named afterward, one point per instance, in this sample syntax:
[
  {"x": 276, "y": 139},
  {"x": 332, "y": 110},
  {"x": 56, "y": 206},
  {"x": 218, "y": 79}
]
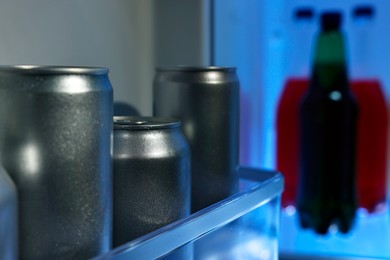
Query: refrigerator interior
[
  {"x": 268, "y": 45},
  {"x": 257, "y": 37}
]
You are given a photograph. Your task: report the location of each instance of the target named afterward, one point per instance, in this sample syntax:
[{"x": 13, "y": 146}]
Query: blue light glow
[{"x": 255, "y": 37}]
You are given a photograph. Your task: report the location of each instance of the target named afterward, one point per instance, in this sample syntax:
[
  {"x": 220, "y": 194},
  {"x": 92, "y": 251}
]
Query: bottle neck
[
  {"x": 329, "y": 68},
  {"x": 330, "y": 48}
]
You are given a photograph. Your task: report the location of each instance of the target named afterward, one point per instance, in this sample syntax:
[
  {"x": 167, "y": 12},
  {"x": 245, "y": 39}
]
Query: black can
[
  {"x": 56, "y": 127},
  {"x": 206, "y": 100},
  {"x": 151, "y": 163}
]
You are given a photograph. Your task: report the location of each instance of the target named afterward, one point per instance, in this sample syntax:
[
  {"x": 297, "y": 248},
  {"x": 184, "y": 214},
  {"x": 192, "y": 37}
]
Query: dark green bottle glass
[{"x": 328, "y": 119}]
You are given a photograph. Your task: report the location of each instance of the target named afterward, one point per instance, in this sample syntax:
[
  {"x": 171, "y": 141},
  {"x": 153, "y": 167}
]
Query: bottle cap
[{"x": 330, "y": 21}]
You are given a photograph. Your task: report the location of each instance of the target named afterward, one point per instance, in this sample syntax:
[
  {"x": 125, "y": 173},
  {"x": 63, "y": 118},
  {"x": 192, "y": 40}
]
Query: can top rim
[
  {"x": 53, "y": 69},
  {"x": 144, "y": 123},
  {"x": 196, "y": 68}
]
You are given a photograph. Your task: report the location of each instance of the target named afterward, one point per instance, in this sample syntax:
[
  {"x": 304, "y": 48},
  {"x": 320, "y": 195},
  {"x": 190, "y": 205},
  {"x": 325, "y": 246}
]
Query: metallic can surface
[
  {"x": 56, "y": 147},
  {"x": 206, "y": 100},
  {"x": 151, "y": 163}
]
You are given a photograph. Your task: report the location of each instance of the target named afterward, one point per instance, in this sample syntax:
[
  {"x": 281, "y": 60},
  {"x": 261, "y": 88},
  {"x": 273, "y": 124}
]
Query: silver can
[
  {"x": 56, "y": 147},
  {"x": 151, "y": 175},
  {"x": 206, "y": 100}
]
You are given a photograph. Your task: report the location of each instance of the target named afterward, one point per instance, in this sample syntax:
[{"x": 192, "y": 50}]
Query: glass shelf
[{"x": 243, "y": 226}]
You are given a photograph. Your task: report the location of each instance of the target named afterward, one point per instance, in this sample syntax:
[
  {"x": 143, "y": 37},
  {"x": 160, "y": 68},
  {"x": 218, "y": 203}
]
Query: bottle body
[{"x": 327, "y": 192}]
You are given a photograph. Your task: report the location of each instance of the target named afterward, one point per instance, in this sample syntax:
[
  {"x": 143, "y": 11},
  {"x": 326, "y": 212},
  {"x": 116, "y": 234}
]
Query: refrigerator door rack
[{"x": 245, "y": 225}]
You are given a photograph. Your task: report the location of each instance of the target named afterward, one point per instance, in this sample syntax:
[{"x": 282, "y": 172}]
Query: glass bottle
[{"x": 328, "y": 114}]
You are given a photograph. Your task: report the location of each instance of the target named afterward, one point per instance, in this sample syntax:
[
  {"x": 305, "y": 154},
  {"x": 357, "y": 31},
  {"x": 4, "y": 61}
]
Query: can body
[
  {"x": 151, "y": 173},
  {"x": 206, "y": 100},
  {"x": 56, "y": 147},
  {"x": 8, "y": 217}
]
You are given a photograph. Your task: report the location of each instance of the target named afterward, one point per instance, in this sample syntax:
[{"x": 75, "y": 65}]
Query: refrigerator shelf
[{"x": 243, "y": 226}]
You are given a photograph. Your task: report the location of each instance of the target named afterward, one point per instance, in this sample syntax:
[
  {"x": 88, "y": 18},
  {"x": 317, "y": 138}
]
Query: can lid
[
  {"x": 144, "y": 123},
  {"x": 195, "y": 68},
  {"x": 48, "y": 69}
]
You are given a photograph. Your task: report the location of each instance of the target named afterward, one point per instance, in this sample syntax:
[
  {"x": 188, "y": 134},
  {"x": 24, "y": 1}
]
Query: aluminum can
[
  {"x": 8, "y": 217},
  {"x": 151, "y": 163},
  {"x": 206, "y": 100},
  {"x": 56, "y": 147}
]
